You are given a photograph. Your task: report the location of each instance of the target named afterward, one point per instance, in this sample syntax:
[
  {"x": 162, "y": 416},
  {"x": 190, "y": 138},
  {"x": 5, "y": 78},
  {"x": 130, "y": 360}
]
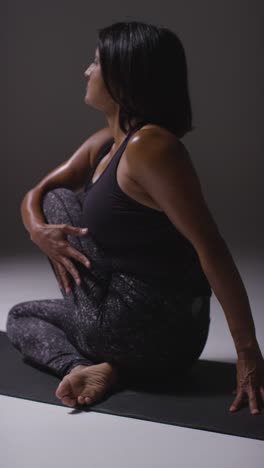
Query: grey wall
[{"x": 49, "y": 47}]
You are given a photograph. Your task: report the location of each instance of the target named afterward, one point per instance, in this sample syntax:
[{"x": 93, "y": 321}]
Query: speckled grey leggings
[{"x": 111, "y": 316}]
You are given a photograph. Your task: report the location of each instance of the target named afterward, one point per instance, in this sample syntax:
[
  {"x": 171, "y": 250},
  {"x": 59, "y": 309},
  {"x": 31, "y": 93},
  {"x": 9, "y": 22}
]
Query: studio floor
[{"x": 34, "y": 434}]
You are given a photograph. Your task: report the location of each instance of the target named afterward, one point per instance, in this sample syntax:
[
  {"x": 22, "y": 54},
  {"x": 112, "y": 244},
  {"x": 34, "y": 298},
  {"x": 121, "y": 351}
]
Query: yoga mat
[{"x": 201, "y": 401}]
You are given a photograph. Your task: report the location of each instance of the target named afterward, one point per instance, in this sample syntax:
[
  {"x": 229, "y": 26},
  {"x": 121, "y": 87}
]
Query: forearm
[
  {"x": 31, "y": 211},
  {"x": 226, "y": 282}
]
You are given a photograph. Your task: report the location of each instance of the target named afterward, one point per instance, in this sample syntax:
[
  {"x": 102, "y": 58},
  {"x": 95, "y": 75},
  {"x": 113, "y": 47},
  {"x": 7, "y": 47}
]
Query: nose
[{"x": 87, "y": 72}]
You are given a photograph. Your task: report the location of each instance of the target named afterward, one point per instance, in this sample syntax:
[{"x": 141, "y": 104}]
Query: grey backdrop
[{"x": 50, "y": 45}]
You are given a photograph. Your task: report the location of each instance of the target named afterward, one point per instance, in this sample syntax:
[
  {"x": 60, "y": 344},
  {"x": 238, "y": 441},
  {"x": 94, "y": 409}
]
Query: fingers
[
  {"x": 63, "y": 278},
  {"x": 253, "y": 404},
  {"x": 64, "y": 264},
  {"x": 58, "y": 275},
  {"x": 78, "y": 256},
  {"x": 238, "y": 401},
  {"x": 72, "y": 270},
  {"x": 242, "y": 397},
  {"x": 73, "y": 230}
]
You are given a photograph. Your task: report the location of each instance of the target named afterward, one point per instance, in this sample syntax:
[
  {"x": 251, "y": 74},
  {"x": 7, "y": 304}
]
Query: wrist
[
  {"x": 252, "y": 350},
  {"x": 35, "y": 229}
]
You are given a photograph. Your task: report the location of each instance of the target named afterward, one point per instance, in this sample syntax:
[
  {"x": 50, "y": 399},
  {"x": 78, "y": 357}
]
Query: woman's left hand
[{"x": 250, "y": 383}]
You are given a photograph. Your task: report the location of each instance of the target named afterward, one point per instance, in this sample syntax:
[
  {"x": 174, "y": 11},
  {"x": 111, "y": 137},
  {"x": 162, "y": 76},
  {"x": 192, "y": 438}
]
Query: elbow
[{"x": 212, "y": 249}]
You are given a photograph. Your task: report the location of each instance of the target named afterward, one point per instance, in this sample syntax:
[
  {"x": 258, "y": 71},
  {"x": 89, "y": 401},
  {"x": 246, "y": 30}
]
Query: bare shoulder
[
  {"x": 97, "y": 141},
  {"x": 155, "y": 143},
  {"x": 154, "y": 153}
]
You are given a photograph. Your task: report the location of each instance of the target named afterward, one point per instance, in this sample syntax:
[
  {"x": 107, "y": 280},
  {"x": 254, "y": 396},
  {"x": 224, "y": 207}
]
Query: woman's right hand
[{"x": 51, "y": 239}]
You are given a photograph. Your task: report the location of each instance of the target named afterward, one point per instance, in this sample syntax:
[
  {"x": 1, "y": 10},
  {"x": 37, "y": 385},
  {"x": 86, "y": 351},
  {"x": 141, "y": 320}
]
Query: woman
[{"x": 141, "y": 309}]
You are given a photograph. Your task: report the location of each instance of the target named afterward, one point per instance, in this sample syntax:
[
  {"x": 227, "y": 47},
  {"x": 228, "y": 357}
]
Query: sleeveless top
[{"x": 143, "y": 239}]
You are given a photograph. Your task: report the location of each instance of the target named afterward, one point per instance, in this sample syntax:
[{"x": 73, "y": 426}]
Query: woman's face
[{"x": 96, "y": 93}]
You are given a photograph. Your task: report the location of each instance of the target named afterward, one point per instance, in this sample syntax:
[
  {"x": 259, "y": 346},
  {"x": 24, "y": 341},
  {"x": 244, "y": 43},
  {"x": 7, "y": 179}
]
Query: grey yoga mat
[{"x": 201, "y": 401}]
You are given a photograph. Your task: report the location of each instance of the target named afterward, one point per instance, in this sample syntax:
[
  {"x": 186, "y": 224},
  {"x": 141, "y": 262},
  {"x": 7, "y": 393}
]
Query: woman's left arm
[
  {"x": 225, "y": 280},
  {"x": 229, "y": 289},
  {"x": 163, "y": 168}
]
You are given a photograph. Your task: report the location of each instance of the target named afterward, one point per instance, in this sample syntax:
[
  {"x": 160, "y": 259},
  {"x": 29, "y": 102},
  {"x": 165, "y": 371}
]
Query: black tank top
[{"x": 143, "y": 239}]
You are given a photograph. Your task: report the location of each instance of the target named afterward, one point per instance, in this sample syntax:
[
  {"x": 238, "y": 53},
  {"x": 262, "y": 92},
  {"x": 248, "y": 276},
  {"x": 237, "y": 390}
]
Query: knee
[
  {"x": 60, "y": 191},
  {"x": 52, "y": 197},
  {"x": 14, "y": 313}
]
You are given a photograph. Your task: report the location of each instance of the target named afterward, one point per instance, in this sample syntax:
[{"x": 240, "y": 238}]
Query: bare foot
[{"x": 86, "y": 384}]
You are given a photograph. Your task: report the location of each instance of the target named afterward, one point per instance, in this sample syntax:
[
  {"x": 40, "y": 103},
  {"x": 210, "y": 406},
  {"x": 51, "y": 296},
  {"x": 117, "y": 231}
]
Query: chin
[{"x": 89, "y": 103}]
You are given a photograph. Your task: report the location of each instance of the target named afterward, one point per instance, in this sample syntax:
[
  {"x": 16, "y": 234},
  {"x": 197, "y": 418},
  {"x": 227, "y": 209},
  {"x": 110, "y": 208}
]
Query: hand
[
  {"x": 250, "y": 383},
  {"x": 62, "y": 276},
  {"x": 51, "y": 239}
]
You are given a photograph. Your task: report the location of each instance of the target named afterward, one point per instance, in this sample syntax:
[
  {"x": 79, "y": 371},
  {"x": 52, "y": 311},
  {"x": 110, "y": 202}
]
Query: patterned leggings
[{"x": 111, "y": 317}]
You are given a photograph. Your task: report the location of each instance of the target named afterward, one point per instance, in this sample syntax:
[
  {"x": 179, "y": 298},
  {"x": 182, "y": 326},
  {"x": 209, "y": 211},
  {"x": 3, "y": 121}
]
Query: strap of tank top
[
  {"x": 137, "y": 127},
  {"x": 102, "y": 153},
  {"x": 98, "y": 158},
  {"x": 106, "y": 147}
]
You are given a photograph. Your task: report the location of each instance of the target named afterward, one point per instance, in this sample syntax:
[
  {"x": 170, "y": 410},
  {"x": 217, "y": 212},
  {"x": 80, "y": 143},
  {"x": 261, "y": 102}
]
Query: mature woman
[{"x": 136, "y": 283}]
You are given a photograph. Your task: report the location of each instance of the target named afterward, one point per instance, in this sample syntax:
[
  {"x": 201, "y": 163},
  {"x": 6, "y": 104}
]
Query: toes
[
  {"x": 65, "y": 393},
  {"x": 68, "y": 401},
  {"x": 80, "y": 399},
  {"x": 84, "y": 399},
  {"x": 64, "y": 388}
]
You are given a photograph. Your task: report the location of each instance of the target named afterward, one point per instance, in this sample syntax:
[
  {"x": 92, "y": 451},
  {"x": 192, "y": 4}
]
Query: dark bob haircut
[{"x": 144, "y": 70}]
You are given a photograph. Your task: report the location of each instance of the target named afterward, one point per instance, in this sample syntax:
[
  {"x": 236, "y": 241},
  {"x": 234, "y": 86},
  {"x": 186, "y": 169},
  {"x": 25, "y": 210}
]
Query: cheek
[
  {"x": 97, "y": 90},
  {"x": 100, "y": 89},
  {"x": 96, "y": 83}
]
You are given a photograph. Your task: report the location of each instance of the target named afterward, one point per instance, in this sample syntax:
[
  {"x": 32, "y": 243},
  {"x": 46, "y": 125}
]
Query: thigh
[
  {"x": 125, "y": 317},
  {"x": 54, "y": 311},
  {"x": 139, "y": 327},
  {"x": 62, "y": 206},
  {"x": 51, "y": 317}
]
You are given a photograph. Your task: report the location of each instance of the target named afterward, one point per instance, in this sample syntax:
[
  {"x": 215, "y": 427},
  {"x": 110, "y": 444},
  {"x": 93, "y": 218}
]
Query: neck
[{"x": 118, "y": 134}]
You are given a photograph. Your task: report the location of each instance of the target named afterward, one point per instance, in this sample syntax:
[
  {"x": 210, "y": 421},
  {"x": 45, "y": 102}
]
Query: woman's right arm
[
  {"x": 71, "y": 174},
  {"x": 51, "y": 239}
]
